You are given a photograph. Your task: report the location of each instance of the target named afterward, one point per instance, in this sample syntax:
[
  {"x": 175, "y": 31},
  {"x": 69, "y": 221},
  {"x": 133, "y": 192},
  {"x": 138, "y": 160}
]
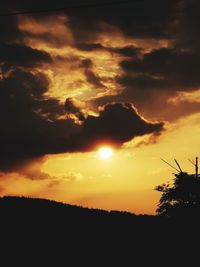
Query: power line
[{"x": 52, "y": 10}]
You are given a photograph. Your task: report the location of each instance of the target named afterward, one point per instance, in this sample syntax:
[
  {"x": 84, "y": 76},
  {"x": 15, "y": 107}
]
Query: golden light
[{"x": 105, "y": 152}]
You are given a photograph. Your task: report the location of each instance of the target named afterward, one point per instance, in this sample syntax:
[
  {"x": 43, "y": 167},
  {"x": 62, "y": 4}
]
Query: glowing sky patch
[{"x": 105, "y": 152}]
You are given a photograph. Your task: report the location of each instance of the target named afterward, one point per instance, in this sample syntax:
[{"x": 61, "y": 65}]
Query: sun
[{"x": 105, "y": 152}]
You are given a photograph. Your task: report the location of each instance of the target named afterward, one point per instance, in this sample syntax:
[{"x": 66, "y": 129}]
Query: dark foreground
[{"x": 42, "y": 233}]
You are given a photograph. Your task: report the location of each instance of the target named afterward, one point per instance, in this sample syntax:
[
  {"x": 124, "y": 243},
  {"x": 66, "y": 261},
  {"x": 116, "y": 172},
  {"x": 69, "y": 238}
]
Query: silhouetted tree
[{"x": 182, "y": 199}]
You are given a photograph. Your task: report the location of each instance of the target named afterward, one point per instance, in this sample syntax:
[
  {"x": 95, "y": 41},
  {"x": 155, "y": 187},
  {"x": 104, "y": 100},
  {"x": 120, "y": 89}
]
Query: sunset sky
[{"x": 123, "y": 75}]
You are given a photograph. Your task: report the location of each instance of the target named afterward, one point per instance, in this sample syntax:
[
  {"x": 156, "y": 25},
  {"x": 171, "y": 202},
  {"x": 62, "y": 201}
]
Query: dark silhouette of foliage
[{"x": 182, "y": 199}]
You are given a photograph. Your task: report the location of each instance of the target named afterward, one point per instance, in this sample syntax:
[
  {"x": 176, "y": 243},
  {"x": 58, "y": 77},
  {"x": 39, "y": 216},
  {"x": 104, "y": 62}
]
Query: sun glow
[{"x": 105, "y": 152}]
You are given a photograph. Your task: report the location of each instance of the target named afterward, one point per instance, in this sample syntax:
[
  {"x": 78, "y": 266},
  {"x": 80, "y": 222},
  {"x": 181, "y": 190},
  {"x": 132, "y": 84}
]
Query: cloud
[
  {"x": 89, "y": 46},
  {"x": 159, "y": 75},
  {"x": 146, "y": 19},
  {"x": 21, "y": 55},
  {"x": 30, "y": 127},
  {"x": 136, "y": 19},
  {"x": 165, "y": 69},
  {"x": 91, "y": 77},
  {"x": 33, "y": 126},
  {"x": 127, "y": 51},
  {"x": 160, "y": 69},
  {"x": 32, "y": 170},
  {"x": 116, "y": 124},
  {"x": 35, "y": 29},
  {"x": 9, "y": 29},
  {"x": 73, "y": 107}
]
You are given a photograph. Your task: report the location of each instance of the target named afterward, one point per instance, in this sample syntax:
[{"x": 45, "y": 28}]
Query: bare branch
[
  {"x": 169, "y": 164},
  {"x": 178, "y": 165}
]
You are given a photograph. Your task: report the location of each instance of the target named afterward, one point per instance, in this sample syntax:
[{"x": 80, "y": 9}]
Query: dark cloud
[
  {"x": 187, "y": 36},
  {"x": 49, "y": 38},
  {"x": 127, "y": 51},
  {"x": 23, "y": 84},
  {"x": 154, "y": 104},
  {"x": 73, "y": 107},
  {"x": 138, "y": 19},
  {"x": 89, "y": 46},
  {"x": 116, "y": 124},
  {"x": 150, "y": 81},
  {"x": 21, "y": 55},
  {"x": 91, "y": 77},
  {"x": 142, "y": 81},
  {"x": 9, "y": 30},
  {"x": 143, "y": 19},
  {"x": 166, "y": 68},
  {"x": 29, "y": 125},
  {"x": 32, "y": 126}
]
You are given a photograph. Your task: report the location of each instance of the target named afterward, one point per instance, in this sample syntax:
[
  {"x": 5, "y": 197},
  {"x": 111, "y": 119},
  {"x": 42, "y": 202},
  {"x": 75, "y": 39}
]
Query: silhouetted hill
[
  {"x": 53, "y": 231},
  {"x": 30, "y": 209},
  {"x": 35, "y": 205},
  {"x": 37, "y": 212}
]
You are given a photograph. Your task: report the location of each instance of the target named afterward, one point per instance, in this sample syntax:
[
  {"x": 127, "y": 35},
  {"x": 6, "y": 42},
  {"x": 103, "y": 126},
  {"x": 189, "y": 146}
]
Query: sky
[{"x": 117, "y": 74}]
